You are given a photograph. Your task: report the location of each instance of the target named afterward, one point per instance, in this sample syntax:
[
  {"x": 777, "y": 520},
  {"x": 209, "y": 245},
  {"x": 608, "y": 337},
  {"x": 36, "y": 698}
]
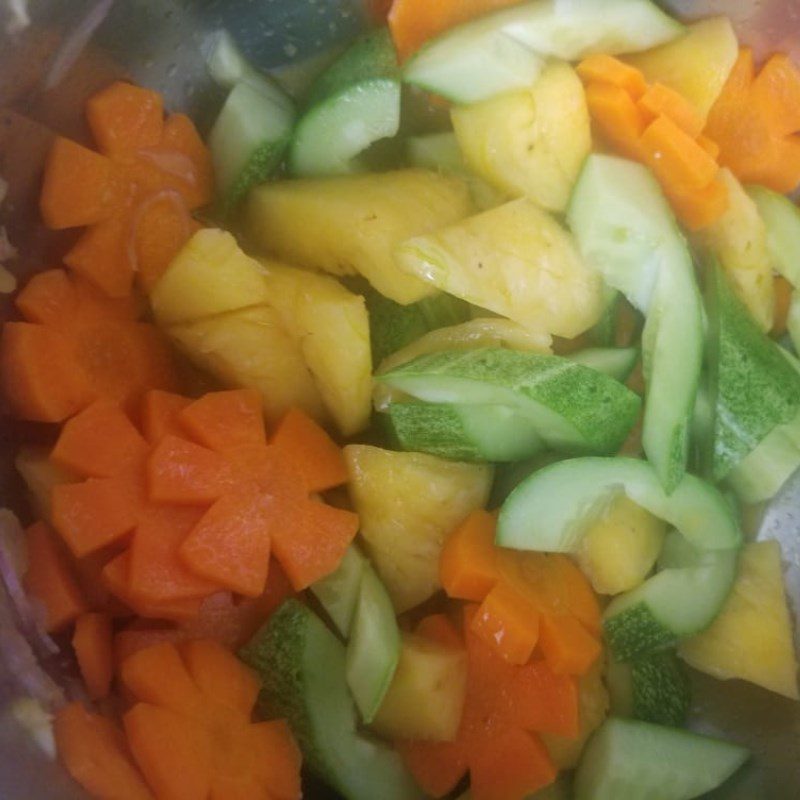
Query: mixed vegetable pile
[{"x": 407, "y": 433}]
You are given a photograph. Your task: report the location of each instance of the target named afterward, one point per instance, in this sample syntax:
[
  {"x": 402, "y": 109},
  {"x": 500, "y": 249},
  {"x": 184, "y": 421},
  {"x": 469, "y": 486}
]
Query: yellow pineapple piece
[
  {"x": 251, "y": 348},
  {"x": 351, "y": 225},
  {"x": 426, "y": 696},
  {"x": 621, "y": 547},
  {"x": 515, "y": 260},
  {"x": 696, "y": 64},
  {"x": 409, "y": 503},
  {"x": 529, "y": 143},
  {"x": 751, "y": 638}
]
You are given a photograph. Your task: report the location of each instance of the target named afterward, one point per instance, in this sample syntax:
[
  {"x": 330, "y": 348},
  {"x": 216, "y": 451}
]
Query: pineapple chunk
[
  {"x": 751, "y": 638},
  {"x": 331, "y": 326},
  {"x": 350, "y": 225},
  {"x": 426, "y": 696},
  {"x": 210, "y": 275},
  {"x": 739, "y": 241},
  {"x": 251, "y": 348},
  {"x": 515, "y": 260},
  {"x": 531, "y": 143},
  {"x": 620, "y": 548},
  {"x": 697, "y": 64},
  {"x": 409, "y": 503},
  {"x": 41, "y": 476},
  {"x": 593, "y": 705}
]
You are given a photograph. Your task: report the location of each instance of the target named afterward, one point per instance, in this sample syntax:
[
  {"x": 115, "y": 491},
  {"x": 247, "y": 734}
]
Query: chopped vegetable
[{"x": 92, "y": 642}]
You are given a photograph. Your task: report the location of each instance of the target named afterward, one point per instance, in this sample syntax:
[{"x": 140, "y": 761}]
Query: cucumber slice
[
  {"x": 550, "y": 510},
  {"x": 637, "y": 760},
  {"x": 793, "y": 321},
  {"x": 338, "y": 592},
  {"x": 249, "y": 138},
  {"x": 354, "y": 103},
  {"x": 782, "y": 218},
  {"x": 616, "y": 362},
  {"x": 753, "y": 386},
  {"x": 653, "y": 688},
  {"x": 302, "y": 667},
  {"x": 624, "y": 227},
  {"x": 463, "y": 432},
  {"x": 574, "y": 408},
  {"x": 374, "y": 647}
]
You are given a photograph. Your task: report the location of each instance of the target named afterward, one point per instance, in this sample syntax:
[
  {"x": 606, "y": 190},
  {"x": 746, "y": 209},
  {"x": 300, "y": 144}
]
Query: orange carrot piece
[
  {"x": 616, "y": 117},
  {"x": 776, "y": 93},
  {"x": 437, "y": 767},
  {"x": 566, "y": 645},
  {"x": 576, "y": 593},
  {"x": 775, "y": 164},
  {"x": 783, "y": 300},
  {"x": 310, "y": 450},
  {"x": 438, "y": 628},
  {"x": 173, "y": 753},
  {"x": 95, "y": 753},
  {"x": 79, "y": 187},
  {"x": 124, "y": 118},
  {"x": 726, "y": 113},
  {"x": 93, "y": 514},
  {"x": 277, "y": 757},
  {"x": 467, "y": 567},
  {"x": 92, "y": 642},
  {"x": 159, "y": 414},
  {"x": 600, "y": 68},
  {"x": 546, "y": 702},
  {"x": 195, "y": 179},
  {"x": 231, "y": 545},
  {"x": 676, "y": 158},
  {"x": 710, "y": 146},
  {"x": 184, "y": 473},
  {"x": 221, "y": 677},
  {"x": 224, "y": 420},
  {"x": 507, "y": 622},
  {"x": 47, "y": 298},
  {"x": 99, "y": 442},
  {"x": 310, "y": 540},
  {"x": 701, "y": 208},
  {"x": 39, "y": 381},
  {"x": 660, "y": 100},
  {"x": 511, "y": 765},
  {"x": 50, "y": 578}
]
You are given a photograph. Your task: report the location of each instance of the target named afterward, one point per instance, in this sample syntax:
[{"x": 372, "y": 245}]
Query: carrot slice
[
  {"x": 566, "y": 645},
  {"x": 616, "y": 117},
  {"x": 159, "y": 413},
  {"x": 467, "y": 567},
  {"x": 79, "y": 186},
  {"x": 507, "y": 622},
  {"x": 725, "y": 115},
  {"x": 545, "y": 702},
  {"x": 224, "y": 420},
  {"x": 311, "y": 539},
  {"x": 308, "y": 448},
  {"x": 124, "y": 118},
  {"x": 48, "y": 298},
  {"x": 437, "y": 767},
  {"x": 575, "y": 591},
  {"x": 99, "y": 442},
  {"x": 184, "y": 473},
  {"x": 51, "y": 580},
  {"x": 601, "y": 68},
  {"x": 776, "y": 93},
  {"x": 194, "y": 180},
  {"x": 93, "y": 647},
  {"x": 710, "y": 146},
  {"x": 173, "y": 753},
  {"x": 660, "y": 100},
  {"x": 699, "y": 209},
  {"x": 277, "y": 758},
  {"x": 95, "y": 753}
]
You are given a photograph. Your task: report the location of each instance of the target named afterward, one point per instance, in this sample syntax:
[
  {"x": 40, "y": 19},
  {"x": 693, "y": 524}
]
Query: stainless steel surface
[{"x": 161, "y": 44}]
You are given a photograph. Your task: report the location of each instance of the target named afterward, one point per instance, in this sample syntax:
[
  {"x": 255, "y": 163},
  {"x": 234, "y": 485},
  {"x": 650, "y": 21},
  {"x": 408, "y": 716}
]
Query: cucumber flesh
[
  {"x": 249, "y": 138},
  {"x": 616, "y": 362},
  {"x": 782, "y": 218},
  {"x": 624, "y": 228},
  {"x": 302, "y": 666},
  {"x": 551, "y": 509},
  {"x": 353, "y": 104},
  {"x": 374, "y": 646},
  {"x": 637, "y": 760},
  {"x": 338, "y": 592},
  {"x": 574, "y": 408}
]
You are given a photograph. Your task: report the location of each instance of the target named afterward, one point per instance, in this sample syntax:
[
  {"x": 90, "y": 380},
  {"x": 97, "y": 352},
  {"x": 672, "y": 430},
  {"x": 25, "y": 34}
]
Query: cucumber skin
[
  {"x": 260, "y": 166},
  {"x": 661, "y": 692},
  {"x": 755, "y": 387},
  {"x": 636, "y": 631}
]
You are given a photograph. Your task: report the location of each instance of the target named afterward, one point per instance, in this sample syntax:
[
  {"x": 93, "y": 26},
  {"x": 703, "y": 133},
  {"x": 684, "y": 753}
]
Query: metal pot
[{"x": 73, "y": 47}]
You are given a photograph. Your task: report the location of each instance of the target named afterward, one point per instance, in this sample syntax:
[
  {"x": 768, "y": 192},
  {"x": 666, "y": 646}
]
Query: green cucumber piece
[
  {"x": 302, "y": 667},
  {"x": 573, "y": 407},
  {"x": 338, "y": 592},
  {"x": 793, "y": 321},
  {"x": 463, "y": 432},
  {"x": 637, "y": 760},
  {"x": 753, "y": 386},
  {"x": 249, "y": 138},
  {"x": 353, "y": 104},
  {"x": 653, "y": 688},
  {"x": 616, "y": 362},
  {"x": 782, "y": 218},
  {"x": 551, "y": 509},
  {"x": 374, "y": 646},
  {"x": 624, "y": 228}
]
